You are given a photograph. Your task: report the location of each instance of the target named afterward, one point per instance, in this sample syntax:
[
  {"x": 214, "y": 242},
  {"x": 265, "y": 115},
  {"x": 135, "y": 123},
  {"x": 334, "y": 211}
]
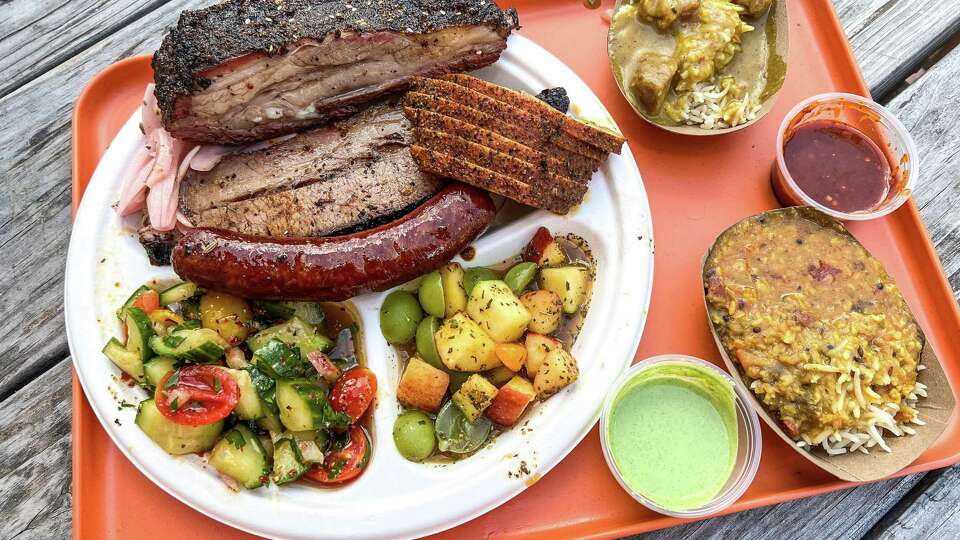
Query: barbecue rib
[
  {"x": 504, "y": 141},
  {"x": 247, "y": 70},
  {"x": 353, "y": 175}
]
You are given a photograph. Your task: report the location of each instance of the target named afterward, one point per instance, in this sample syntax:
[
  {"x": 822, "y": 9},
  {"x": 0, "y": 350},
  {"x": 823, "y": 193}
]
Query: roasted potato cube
[
  {"x": 651, "y": 80},
  {"x": 474, "y": 396},
  {"x": 454, "y": 295},
  {"x": 464, "y": 346},
  {"x": 571, "y": 283},
  {"x": 558, "y": 370},
  {"x": 538, "y": 346},
  {"x": 497, "y": 310},
  {"x": 545, "y": 309},
  {"x": 422, "y": 386},
  {"x": 510, "y": 402}
]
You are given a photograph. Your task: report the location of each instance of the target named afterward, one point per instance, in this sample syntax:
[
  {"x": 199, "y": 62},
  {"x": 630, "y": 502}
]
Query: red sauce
[{"x": 837, "y": 165}]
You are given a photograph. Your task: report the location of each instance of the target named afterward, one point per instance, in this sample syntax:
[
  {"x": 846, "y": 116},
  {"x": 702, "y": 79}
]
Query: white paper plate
[{"x": 394, "y": 498}]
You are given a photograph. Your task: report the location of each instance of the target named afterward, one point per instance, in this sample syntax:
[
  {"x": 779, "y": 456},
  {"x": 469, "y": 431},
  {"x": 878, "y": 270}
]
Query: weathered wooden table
[{"x": 49, "y": 49}]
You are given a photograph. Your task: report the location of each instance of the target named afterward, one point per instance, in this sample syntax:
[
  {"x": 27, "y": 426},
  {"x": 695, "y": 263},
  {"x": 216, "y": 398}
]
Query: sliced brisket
[
  {"x": 247, "y": 70},
  {"x": 353, "y": 175}
]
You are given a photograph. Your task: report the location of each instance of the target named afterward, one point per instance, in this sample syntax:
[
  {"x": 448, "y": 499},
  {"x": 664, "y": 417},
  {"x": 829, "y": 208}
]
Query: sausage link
[{"x": 339, "y": 267}]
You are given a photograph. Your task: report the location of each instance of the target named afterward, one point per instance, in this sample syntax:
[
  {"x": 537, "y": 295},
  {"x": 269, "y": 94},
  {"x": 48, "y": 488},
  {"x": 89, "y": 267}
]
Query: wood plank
[
  {"x": 847, "y": 514},
  {"x": 66, "y": 27},
  {"x": 890, "y": 37},
  {"x": 930, "y": 512},
  {"x": 35, "y": 458},
  {"x": 928, "y": 109},
  {"x": 35, "y": 198}
]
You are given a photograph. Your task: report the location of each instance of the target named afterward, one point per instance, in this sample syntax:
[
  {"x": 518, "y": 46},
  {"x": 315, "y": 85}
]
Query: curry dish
[
  {"x": 817, "y": 327},
  {"x": 675, "y": 59}
]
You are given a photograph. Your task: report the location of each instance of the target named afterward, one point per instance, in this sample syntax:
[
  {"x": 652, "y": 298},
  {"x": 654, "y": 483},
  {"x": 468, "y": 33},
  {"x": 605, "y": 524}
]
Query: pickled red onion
[{"x": 208, "y": 157}]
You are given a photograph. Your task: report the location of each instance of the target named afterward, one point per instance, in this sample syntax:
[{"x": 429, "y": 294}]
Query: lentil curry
[{"x": 817, "y": 327}]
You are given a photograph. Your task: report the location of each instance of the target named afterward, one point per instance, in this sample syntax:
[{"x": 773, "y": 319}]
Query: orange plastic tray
[{"x": 697, "y": 187}]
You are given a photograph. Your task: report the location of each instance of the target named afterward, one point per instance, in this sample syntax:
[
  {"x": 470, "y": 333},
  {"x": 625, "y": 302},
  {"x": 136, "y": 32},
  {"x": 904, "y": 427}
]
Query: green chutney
[{"x": 672, "y": 433}]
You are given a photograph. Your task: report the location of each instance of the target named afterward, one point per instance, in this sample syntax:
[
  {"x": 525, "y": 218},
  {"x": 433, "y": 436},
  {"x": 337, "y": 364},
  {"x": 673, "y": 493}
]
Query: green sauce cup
[{"x": 710, "y": 394}]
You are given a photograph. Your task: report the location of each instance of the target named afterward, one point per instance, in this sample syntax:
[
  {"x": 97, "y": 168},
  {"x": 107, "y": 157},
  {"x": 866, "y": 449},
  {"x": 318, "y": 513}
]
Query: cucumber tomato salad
[
  {"x": 266, "y": 391},
  {"x": 482, "y": 344}
]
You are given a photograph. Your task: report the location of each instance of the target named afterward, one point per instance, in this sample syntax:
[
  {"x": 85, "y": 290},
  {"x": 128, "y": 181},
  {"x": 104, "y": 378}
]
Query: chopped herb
[
  {"x": 173, "y": 380},
  {"x": 236, "y": 439},
  {"x": 175, "y": 404},
  {"x": 337, "y": 468},
  {"x": 217, "y": 386}
]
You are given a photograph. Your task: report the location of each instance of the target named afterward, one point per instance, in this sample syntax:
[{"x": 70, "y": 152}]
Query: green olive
[
  {"x": 426, "y": 346},
  {"x": 458, "y": 435},
  {"x": 431, "y": 295},
  {"x": 399, "y": 317},
  {"x": 521, "y": 276},
  {"x": 472, "y": 276},
  {"x": 413, "y": 433}
]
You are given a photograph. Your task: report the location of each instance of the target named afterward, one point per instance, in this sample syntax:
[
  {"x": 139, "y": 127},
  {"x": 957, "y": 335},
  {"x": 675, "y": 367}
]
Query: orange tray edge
[{"x": 106, "y": 486}]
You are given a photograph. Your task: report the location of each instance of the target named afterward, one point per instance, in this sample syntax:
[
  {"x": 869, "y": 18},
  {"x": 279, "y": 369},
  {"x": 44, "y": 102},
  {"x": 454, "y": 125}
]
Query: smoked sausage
[{"x": 338, "y": 267}]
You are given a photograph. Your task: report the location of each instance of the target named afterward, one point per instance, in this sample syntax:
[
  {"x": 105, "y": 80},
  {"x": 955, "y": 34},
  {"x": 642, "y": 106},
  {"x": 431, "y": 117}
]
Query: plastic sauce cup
[
  {"x": 749, "y": 445},
  {"x": 870, "y": 119}
]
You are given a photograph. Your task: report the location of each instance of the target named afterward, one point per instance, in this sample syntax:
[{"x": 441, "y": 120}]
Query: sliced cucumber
[
  {"x": 272, "y": 311},
  {"x": 288, "y": 463},
  {"x": 311, "y": 312},
  {"x": 128, "y": 361},
  {"x": 197, "y": 345},
  {"x": 157, "y": 368},
  {"x": 249, "y": 406},
  {"x": 178, "y": 293},
  {"x": 240, "y": 456},
  {"x": 176, "y": 438},
  {"x": 316, "y": 342},
  {"x": 189, "y": 324},
  {"x": 310, "y": 443},
  {"x": 133, "y": 298},
  {"x": 270, "y": 422},
  {"x": 304, "y": 406},
  {"x": 296, "y": 333},
  {"x": 139, "y": 332},
  {"x": 267, "y": 443}
]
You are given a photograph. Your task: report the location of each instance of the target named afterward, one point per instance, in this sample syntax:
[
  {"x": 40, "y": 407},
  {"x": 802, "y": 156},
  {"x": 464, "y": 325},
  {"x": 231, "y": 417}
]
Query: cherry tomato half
[
  {"x": 147, "y": 301},
  {"x": 346, "y": 463},
  {"x": 198, "y": 396},
  {"x": 354, "y": 392}
]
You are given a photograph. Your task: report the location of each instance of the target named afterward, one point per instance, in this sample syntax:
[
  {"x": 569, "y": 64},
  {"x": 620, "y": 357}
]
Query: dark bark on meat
[{"x": 215, "y": 39}]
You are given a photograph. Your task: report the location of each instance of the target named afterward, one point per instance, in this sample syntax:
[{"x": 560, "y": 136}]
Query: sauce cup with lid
[{"x": 680, "y": 437}]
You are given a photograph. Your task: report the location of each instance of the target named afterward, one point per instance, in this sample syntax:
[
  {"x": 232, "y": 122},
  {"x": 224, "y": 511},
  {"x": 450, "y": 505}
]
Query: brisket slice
[
  {"x": 353, "y": 175},
  {"x": 246, "y": 70}
]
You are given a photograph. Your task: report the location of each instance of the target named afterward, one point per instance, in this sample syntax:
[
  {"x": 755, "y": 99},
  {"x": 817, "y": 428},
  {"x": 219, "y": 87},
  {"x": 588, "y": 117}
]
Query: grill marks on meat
[
  {"x": 346, "y": 177},
  {"x": 247, "y": 70},
  {"x": 504, "y": 141}
]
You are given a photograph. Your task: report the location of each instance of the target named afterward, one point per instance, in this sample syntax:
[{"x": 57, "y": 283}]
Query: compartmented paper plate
[{"x": 394, "y": 497}]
